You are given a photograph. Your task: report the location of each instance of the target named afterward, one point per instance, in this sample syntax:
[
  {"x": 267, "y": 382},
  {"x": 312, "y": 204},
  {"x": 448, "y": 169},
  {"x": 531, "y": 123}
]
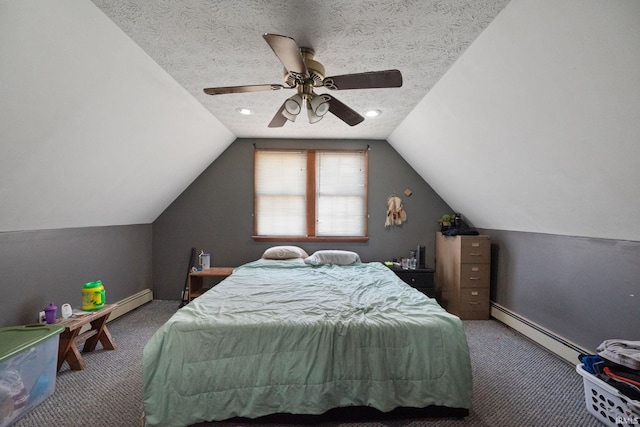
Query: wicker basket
[{"x": 607, "y": 404}]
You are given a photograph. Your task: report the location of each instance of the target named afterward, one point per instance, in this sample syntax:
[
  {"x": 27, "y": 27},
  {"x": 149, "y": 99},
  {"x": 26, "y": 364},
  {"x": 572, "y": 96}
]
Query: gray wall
[
  {"x": 215, "y": 213},
  {"x": 50, "y": 266},
  {"x": 585, "y": 290}
]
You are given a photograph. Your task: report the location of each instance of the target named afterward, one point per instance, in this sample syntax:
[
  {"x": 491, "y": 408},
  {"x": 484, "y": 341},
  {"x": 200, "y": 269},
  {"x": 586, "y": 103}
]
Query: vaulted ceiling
[
  {"x": 522, "y": 115},
  {"x": 219, "y": 43}
]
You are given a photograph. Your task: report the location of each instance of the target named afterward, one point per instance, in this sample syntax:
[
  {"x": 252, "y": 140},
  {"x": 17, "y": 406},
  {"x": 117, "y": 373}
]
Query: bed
[{"x": 290, "y": 337}]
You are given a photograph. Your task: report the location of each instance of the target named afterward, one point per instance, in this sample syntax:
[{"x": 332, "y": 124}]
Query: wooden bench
[{"x": 72, "y": 336}]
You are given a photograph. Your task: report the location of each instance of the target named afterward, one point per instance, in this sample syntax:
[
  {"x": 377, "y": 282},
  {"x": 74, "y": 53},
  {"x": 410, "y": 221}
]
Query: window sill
[{"x": 350, "y": 239}]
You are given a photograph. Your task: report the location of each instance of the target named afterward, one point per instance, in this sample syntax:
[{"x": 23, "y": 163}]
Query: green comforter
[{"x": 286, "y": 337}]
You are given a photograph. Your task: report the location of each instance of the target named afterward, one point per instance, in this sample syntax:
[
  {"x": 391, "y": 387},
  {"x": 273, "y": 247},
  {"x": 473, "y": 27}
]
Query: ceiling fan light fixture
[
  {"x": 320, "y": 105},
  {"x": 304, "y": 73},
  {"x": 288, "y": 115},
  {"x": 293, "y": 105},
  {"x": 313, "y": 117}
]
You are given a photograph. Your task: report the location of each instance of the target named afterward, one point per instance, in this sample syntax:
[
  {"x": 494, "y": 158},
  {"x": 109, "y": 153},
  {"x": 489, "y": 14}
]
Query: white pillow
[
  {"x": 284, "y": 252},
  {"x": 334, "y": 256}
]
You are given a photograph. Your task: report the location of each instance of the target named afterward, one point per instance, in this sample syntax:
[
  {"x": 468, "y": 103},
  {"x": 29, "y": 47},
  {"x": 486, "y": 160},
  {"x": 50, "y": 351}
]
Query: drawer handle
[
  {"x": 474, "y": 302},
  {"x": 475, "y": 254},
  {"x": 475, "y": 269},
  {"x": 474, "y": 293},
  {"x": 475, "y": 244},
  {"x": 474, "y": 278}
]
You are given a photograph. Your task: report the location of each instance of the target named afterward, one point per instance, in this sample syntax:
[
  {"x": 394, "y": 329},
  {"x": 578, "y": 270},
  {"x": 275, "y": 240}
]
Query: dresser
[
  {"x": 463, "y": 265},
  {"x": 420, "y": 278}
]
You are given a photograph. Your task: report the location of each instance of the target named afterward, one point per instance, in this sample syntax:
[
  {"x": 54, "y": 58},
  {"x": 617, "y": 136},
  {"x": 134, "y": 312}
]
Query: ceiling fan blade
[
  {"x": 288, "y": 52},
  {"x": 242, "y": 89},
  {"x": 368, "y": 80},
  {"x": 343, "y": 112},
  {"x": 279, "y": 119}
]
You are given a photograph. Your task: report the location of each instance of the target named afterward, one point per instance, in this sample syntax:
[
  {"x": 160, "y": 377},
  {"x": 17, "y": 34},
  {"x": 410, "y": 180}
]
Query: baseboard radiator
[
  {"x": 544, "y": 337},
  {"x": 131, "y": 303}
]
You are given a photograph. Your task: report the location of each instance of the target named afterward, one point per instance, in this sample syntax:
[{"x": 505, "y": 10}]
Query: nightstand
[
  {"x": 196, "y": 280},
  {"x": 420, "y": 278}
]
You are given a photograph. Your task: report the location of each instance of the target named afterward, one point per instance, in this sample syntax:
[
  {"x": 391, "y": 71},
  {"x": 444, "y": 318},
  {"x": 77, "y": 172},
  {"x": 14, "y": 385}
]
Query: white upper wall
[
  {"x": 92, "y": 131},
  {"x": 536, "y": 127}
]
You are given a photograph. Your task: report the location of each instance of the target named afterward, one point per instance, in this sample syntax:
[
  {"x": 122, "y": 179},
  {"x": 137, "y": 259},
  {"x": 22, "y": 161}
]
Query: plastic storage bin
[
  {"x": 607, "y": 404},
  {"x": 28, "y": 365}
]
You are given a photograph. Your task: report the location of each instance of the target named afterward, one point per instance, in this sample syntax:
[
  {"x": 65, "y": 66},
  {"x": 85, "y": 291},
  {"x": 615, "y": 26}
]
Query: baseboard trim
[
  {"x": 556, "y": 344},
  {"x": 131, "y": 303}
]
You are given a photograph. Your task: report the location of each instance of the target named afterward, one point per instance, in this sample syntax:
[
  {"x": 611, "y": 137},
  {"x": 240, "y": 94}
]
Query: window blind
[
  {"x": 280, "y": 193},
  {"x": 340, "y": 193}
]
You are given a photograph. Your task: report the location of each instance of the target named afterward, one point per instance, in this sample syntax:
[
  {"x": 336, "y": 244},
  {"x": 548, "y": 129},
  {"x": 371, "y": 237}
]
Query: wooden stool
[{"x": 71, "y": 336}]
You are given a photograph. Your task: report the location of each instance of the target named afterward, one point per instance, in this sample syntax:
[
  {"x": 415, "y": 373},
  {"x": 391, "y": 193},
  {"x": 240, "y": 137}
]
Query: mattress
[{"x": 287, "y": 337}]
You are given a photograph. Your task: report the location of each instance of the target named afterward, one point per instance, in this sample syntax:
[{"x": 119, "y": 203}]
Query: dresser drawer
[
  {"x": 474, "y": 275},
  {"x": 474, "y": 300},
  {"x": 417, "y": 279},
  {"x": 475, "y": 250},
  {"x": 475, "y": 315}
]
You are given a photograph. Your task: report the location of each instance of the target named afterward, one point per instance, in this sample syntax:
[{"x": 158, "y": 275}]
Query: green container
[
  {"x": 93, "y": 296},
  {"x": 28, "y": 365}
]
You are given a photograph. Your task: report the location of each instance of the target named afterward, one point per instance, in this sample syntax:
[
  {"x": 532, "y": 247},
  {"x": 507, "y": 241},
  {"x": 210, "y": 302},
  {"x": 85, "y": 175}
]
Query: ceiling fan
[{"x": 303, "y": 73}]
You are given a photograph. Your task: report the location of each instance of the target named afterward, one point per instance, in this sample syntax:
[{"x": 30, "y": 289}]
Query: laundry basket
[{"x": 607, "y": 404}]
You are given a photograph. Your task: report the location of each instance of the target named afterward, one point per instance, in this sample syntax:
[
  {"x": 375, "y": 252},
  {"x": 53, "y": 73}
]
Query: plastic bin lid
[{"x": 16, "y": 339}]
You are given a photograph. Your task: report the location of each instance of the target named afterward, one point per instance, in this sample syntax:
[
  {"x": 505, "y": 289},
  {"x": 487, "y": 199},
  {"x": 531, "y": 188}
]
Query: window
[{"x": 310, "y": 195}]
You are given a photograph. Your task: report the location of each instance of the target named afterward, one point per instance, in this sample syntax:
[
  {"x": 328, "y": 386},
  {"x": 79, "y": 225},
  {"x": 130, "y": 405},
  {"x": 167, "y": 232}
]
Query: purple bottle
[{"x": 50, "y": 314}]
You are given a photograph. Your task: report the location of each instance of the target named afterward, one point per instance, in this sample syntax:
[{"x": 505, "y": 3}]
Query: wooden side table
[
  {"x": 196, "y": 280},
  {"x": 71, "y": 336}
]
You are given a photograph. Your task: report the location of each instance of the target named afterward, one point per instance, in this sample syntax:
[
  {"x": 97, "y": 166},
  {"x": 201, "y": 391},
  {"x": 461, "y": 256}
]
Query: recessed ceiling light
[
  {"x": 372, "y": 113},
  {"x": 244, "y": 111}
]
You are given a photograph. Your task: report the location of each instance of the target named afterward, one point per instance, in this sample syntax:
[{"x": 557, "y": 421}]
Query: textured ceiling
[{"x": 204, "y": 43}]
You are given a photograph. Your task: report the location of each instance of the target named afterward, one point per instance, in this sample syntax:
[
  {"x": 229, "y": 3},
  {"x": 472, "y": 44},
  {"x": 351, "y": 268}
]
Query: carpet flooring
[{"x": 516, "y": 383}]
